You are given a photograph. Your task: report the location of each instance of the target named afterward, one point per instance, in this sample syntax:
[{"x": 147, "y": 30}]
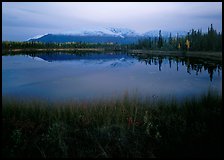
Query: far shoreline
[{"x": 204, "y": 54}]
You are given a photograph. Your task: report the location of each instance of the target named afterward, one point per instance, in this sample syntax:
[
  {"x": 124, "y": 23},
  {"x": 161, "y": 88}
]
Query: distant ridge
[{"x": 101, "y": 35}]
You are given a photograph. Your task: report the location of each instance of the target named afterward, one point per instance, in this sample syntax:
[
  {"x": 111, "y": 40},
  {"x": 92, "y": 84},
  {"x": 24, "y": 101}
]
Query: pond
[{"x": 87, "y": 76}]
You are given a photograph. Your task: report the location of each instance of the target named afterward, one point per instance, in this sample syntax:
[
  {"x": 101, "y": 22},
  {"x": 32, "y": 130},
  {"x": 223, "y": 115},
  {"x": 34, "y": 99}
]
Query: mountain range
[{"x": 102, "y": 35}]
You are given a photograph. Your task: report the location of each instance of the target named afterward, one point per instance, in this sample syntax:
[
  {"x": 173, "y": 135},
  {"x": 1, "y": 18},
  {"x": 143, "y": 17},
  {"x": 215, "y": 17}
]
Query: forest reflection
[{"x": 191, "y": 63}]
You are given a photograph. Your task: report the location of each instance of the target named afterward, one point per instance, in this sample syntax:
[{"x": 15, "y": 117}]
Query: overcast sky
[{"x": 23, "y": 20}]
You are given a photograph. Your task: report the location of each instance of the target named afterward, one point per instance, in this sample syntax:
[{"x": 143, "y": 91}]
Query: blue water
[{"x": 62, "y": 76}]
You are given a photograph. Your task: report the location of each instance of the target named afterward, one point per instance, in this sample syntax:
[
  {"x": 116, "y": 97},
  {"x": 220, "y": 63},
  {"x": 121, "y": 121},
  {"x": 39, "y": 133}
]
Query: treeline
[
  {"x": 193, "y": 41},
  {"x": 10, "y": 45}
]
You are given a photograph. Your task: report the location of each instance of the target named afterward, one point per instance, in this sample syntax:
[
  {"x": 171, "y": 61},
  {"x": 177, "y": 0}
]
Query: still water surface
[{"x": 63, "y": 76}]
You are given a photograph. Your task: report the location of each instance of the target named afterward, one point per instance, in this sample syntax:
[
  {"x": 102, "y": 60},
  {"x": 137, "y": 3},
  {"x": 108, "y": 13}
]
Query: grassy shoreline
[
  {"x": 204, "y": 54},
  {"x": 124, "y": 127},
  {"x": 55, "y": 49},
  {"x": 214, "y": 55}
]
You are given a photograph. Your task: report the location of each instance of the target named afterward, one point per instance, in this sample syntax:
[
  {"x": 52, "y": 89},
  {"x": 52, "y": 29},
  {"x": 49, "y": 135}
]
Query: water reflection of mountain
[
  {"x": 192, "y": 63},
  {"x": 196, "y": 64},
  {"x": 87, "y": 56}
]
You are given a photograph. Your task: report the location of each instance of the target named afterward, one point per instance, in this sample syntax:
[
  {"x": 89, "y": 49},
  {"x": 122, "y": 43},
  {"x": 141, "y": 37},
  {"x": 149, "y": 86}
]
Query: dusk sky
[{"x": 23, "y": 20}]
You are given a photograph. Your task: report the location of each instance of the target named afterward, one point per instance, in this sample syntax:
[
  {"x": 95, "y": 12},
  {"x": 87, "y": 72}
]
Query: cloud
[{"x": 140, "y": 16}]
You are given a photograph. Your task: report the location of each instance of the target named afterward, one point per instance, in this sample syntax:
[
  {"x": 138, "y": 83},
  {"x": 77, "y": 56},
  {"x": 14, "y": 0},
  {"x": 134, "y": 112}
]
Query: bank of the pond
[
  {"x": 196, "y": 54},
  {"x": 213, "y": 55},
  {"x": 115, "y": 128},
  {"x": 58, "y": 49}
]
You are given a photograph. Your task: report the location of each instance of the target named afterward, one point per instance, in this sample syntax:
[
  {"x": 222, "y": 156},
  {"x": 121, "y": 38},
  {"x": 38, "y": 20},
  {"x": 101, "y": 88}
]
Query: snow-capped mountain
[
  {"x": 109, "y": 31},
  {"x": 124, "y": 32},
  {"x": 102, "y": 35},
  {"x": 37, "y": 37},
  {"x": 165, "y": 34},
  {"x": 97, "y": 32},
  {"x": 155, "y": 33}
]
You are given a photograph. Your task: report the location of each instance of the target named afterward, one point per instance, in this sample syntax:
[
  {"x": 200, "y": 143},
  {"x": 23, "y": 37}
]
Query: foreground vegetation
[{"x": 127, "y": 127}]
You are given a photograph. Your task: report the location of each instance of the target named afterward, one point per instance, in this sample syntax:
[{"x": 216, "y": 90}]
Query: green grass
[{"x": 126, "y": 127}]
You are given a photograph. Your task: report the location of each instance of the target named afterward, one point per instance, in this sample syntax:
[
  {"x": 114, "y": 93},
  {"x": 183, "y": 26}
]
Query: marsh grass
[{"x": 126, "y": 127}]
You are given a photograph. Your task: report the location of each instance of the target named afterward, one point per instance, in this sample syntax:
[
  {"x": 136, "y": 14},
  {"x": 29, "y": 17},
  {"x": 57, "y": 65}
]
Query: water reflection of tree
[
  {"x": 191, "y": 63},
  {"x": 160, "y": 63}
]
